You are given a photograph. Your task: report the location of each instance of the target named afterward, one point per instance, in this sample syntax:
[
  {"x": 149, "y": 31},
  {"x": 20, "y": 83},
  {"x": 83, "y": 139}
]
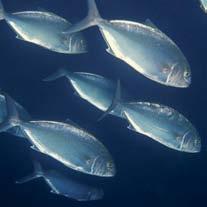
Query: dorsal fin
[{"x": 149, "y": 23}]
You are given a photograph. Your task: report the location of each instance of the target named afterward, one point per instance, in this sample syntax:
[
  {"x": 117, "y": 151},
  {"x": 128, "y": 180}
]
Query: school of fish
[{"x": 146, "y": 49}]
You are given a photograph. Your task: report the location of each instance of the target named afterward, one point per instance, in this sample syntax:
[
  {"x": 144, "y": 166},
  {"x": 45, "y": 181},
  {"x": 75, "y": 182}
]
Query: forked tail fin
[
  {"x": 62, "y": 72},
  {"x": 115, "y": 101},
  {"x": 93, "y": 18},
  {"x": 38, "y": 172}
]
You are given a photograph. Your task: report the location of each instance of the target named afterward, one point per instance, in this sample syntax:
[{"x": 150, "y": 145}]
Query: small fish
[
  {"x": 97, "y": 90},
  {"x": 145, "y": 48},
  {"x": 70, "y": 145},
  {"x": 61, "y": 184},
  {"x": 161, "y": 123},
  {"x": 3, "y": 115},
  {"x": 204, "y": 5},
  {"x": 44, "y": 29}
]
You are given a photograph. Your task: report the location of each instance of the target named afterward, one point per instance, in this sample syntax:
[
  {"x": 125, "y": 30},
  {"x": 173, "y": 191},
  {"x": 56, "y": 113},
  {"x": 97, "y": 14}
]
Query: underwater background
[{"x": 148, "y": 173}]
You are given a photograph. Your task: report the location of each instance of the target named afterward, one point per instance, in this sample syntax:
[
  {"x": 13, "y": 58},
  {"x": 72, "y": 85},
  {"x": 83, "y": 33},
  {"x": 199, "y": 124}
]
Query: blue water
[{"x": 148, "y": 173}]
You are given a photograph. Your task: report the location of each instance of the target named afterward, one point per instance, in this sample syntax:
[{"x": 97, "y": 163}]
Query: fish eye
[
  {"x": 186, "y": 74},
  {"x": 109, "y": 165}
]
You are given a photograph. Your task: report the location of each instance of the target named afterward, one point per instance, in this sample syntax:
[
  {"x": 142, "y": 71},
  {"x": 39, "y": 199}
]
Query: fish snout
[
  {"x": 187, "y": 78},
  {"x": 180, "y": 77},
  {"x": 191, "y": 142},
  {"x": 104, "y": 167}
]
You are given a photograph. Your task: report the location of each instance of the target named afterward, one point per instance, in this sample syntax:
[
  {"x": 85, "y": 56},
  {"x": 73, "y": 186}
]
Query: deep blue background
[{"x": 148, "y": 173}]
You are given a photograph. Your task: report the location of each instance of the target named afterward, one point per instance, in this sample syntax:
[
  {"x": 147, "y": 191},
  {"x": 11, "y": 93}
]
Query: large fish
[
  {"x": 145, "y": 48},
  {"x": 161, "y": 123},
  {"x": 61, "y": 184},
  {"x": 97, "y": 90},
  {"x": 204, "y": 5},
  {"x": 3, "y": 115},
  {"x": 44, "y": 29},
  {"x": 69, "y": 144}
]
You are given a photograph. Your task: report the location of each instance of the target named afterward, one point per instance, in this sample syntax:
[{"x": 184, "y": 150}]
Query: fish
[
  {"x": 204, "y": 5},
  {"x": 161, "y": 123},
  {"x": 72, "y": 146},
  {"x": 142, "y": 46},
  {"x": 44, "y": 29},
  {"x": 60, "y": 184},
  {"x": 16, "y": 131},
  {"x": 95, "y": 89}
]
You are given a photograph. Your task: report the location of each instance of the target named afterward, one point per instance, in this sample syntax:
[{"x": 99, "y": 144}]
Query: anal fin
[
  {"x": 35, "y": 149},
  {"x": 130, "y": 127},
  {"x": 110, "y": 51},
  {"x": 20, "y": 38},
  {"x": 76, "y": 94}
]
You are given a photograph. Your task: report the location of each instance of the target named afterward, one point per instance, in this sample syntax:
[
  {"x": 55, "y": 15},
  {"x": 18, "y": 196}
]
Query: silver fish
[
  {"x": 68, "y": 144},
  {"x": 44, "y": 29},
  {"x": 145, "y": 48},
  {"x": 95, "y": 89},
  {"x": 163, "y": 124},
  {"x": 204, "y": 5},
  {"x": 3, "y": 115},
  {"x": 61, "y": 184}
]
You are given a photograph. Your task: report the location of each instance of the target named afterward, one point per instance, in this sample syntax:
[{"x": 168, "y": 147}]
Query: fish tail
[
  {"x": 92, "y": 19},
  {"x": 12, "y": 119},
  {"x": 1, "y": 11},
  {"x": 38, "y": 172},
  {"x": 62, "y": 72},
  {"x": 27, "y": 178},
  {"x": 116, "y": 100},
  {"x": 93, "y": 13}
]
